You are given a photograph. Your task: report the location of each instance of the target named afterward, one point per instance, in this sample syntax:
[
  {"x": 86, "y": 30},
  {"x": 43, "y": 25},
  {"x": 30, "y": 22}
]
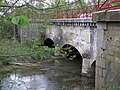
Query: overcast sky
[
  {"x": 66, "y": 0},
  {"x": 22, "y": 1}
]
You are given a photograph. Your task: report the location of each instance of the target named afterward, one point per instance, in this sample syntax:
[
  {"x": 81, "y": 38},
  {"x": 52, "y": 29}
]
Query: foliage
[
  {"x": 68, "y": 53},
  {"x": 114, "y": 88},
  {"x": 6, "y": 29},
  {"x": 26, "y": 51},
  {"x": 4, "y": 61},
  {"x": 43, "y": 53},
  {"x": 116, "y": 4},
  {"x": 20, "y": 20}
]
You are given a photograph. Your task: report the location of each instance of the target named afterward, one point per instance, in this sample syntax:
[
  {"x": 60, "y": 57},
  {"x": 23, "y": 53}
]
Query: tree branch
[
  {"x": 32, "y": 6},
  {"x": 10, "y": 7},
  {"x": 51, "y": 7}
]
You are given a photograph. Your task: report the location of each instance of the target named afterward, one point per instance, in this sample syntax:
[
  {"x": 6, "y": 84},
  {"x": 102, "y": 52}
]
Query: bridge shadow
[
  {"x": 72, "y": 54},
  {"x": 93, "y": 68},
  {"x": 49, "y": 42}
]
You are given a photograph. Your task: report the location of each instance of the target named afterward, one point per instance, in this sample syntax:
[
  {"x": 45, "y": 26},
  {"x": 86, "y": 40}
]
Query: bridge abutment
[{"x": 108, "y": 50}]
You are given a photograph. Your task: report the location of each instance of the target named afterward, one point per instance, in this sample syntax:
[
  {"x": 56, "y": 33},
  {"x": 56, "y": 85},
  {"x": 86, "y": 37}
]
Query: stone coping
[
  {"x": 72, "y": 20},
  {"x": 107, "y": 16},
  {"x": 69, "y": 20}
]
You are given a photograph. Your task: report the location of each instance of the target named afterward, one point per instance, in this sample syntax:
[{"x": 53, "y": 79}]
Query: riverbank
[{"x": 16, "y": 65}]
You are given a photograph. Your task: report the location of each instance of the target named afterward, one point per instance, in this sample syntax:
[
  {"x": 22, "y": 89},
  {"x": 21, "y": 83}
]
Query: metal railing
[
  {"x": 108, "y": 5},
  {"x": 86, "y": 11}
]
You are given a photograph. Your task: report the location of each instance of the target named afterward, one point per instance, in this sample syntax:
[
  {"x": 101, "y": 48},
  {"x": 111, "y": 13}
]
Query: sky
[
  {"x": 45, "y": 0},
  {"x": 21, "y": 1},
  {"x": 66, "y": 0},
  {"x": 48, "y": 1}
]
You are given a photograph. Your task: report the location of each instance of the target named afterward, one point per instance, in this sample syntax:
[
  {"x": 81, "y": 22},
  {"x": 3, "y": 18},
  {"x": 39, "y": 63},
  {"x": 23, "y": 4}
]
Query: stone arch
[
  {"x": 49, "y": 42},
  {"x": 93, "y": 67},
  {"x": 73, "y": 51}
]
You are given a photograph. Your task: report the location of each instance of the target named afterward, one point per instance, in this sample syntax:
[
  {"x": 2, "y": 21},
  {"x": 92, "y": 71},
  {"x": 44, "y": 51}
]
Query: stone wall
[{"x": 108, "y": 50}]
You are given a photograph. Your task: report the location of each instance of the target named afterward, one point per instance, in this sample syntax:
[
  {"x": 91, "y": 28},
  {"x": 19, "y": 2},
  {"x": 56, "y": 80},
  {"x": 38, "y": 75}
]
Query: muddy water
[{"x": 61, "y": 75}]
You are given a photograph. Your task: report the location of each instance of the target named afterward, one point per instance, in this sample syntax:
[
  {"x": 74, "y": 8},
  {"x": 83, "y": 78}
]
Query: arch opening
[
  {"x": 49, "y": 42},
  {"x": 93, "y": 68},
  {"x": 72, "y": 54}
]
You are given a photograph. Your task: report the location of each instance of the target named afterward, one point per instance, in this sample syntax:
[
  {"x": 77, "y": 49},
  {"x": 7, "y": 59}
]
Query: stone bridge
[
  {"x": 76, "y": 34},
  {"x": 91, "y": 44}
]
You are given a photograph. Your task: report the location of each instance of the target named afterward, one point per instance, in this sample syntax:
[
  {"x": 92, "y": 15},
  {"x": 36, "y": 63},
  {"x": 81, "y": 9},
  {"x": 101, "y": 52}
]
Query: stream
[{"x": 63, "y": 74}]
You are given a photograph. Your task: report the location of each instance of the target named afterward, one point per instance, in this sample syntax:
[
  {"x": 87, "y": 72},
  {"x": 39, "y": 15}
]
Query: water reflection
[
  {"x": 34, "y": 82},
  {"x": 61, "y": 76}
]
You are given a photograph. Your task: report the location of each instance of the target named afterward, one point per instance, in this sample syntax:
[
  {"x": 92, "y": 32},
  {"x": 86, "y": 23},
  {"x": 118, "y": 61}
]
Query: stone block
[
  {"x": 116, "y": 53},
  {"x": 99, "y": 71},
  {"x": 117, "y": 44},
  {"x": 99, "y": 16},
  {"x": 98, "y": 58},
  {"x": 86, "y": 65},
  {"x": 109, "y": 57},
  {"x": 103, "y": 72},
  {"x": 110, "y": 52},
  {"x": 100, "y": 84},
  {"x": 101, "y": 63},
  {"x": 113, "y": 15},
  {"x": 117, "y": 59},
  {"x": 109, "y": 47},
  {"x": 115, "y": 48},
  {"x": 101, "y": 26},
  {"x": 104, "y": 54}
]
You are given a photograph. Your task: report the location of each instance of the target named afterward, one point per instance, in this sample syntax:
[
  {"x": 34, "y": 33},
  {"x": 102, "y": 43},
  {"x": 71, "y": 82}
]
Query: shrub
[
  {"x": 4, "y": 61},
  {"x": 23, "y": 51}
]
